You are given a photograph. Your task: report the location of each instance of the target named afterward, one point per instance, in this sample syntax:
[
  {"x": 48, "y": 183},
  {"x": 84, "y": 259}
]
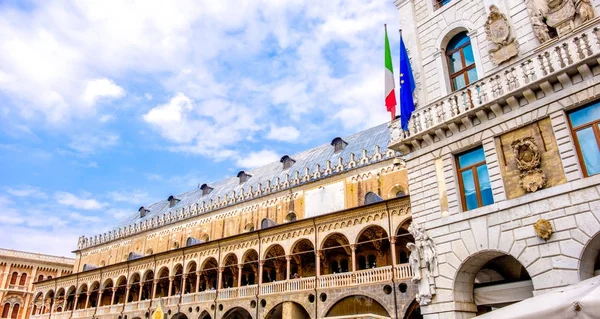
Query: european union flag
[{"x": 407, "y": 87}]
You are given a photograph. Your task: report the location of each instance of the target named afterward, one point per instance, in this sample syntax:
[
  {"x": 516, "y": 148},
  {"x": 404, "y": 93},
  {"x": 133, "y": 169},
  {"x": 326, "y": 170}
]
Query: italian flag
[{"x": 390, "y": 93}]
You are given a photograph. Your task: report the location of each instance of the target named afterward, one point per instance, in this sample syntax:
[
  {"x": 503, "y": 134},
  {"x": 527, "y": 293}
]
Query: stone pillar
[
  {"x": 127, "y": 289},
  {"x": 353, "y": 249},
  {"x": 74, "y": 302},
  {"x": 240, "y": 267},
  {"x": 87, "y": 300},
  {"x": 318, "y": 263},
  {"x": 98, "y": 303},
  {"x": 197, "y": 281},
  {"x": 112, "y": 298},
  {"x": 171, "y": 278},
  {"x": 183, "y": 278},
  {"x": 288, "y": 258},
  {"x": 220, "y": 278},
  {"x": 393, "y": 248},
  {"x": 32, "y": 279},
  {"x": 260, "y": 271},
  {"x": 154, "y": 284},
  {"x": 141, "y": 288},
  {"x": 5, "y": 278}
]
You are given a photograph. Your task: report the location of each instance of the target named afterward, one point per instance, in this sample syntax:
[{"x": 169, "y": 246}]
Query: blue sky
[{"x": 106, "y": 106}]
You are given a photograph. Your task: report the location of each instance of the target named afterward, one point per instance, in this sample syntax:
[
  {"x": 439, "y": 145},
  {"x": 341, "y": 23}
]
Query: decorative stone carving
[
  {"x": 497, "y": 30},
  {"x": 529, "y": 158},
  {"x": 552, "y": 18},
  {"x": 423, "y": 249},
  {"x": 543, "y": 229}
]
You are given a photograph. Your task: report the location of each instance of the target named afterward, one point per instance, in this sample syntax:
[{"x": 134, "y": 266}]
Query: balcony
[
  {"x": 17, "y": 287},
  {"x": 521, "y": 82}
]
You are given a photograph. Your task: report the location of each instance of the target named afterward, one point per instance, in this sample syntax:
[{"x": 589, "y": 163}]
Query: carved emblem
[
  {"x": 543, "y": 229},
  {"x": 497, "y": 30},
  {"x": 529, "y": 159},
  {"x": 551, "y": 18}
]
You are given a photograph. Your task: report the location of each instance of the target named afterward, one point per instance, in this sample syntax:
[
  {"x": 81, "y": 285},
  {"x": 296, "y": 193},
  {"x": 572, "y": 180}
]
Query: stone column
[
  {"x": 183, "y": 278},
  {"x": 353, "y": 249},
  {"x": 288, "y": 266},
  {"x": 240, "y": 267},
  {"x": 74, "y": 302},
  {"x": 197, "y": 281},
  {"x": 32, "y": 279},
  {"x": 171, "y": 278},
  {"x": 220, "y": 278},
  {"x": 318, "y": 263},
  {"x": 140, "y": 294},
  {"x": 393, "y": 248},
  {"x": 127, "y": 289},
  {"x": 87, "y": 300},
  {"x": 154, "y": 284},
  {"x": 98, "y": 303},
  {"x": 260, "y": 271},
  {"x": 112, "y": 298},
  {"x": 5, "y": 278}
]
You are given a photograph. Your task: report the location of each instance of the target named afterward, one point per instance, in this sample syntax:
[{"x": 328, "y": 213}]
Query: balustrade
[
  {"x": 404, "y": 271},
  {"x": 189, "y": 298},
  {"x": 301, "y": 284},
  {"x": 336, "y": 280},
  {"x": 228, "y": 293},
  {"x": 248, "y": 291},
  {"x": 374, "y": 275},
  {"x": 551, "y": 61},
  {"x": 208, "y": 295},
  {"x": 103, "y": 310},
  {"x": 273, "y": 287}
]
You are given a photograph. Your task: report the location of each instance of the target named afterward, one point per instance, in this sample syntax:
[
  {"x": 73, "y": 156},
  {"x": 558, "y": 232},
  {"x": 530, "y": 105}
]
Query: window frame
[
  {"x": 594, "y": 124},
  {"x": 437, "y": 4},
  {"x": 473, "y": 168},
  {"x": 464, "y": 70}
]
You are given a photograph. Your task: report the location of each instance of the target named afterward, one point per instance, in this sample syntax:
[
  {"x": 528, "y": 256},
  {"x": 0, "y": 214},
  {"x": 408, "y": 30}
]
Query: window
[
  {"x": 440, "y": 3},
  {"x": 461, "y": 62},
  {"x": 474, "y": 180},
  {"x": 13, "y": 278},
  {"x": 15, "y": 311},
  {"x": 23, "y": 279},
  {"x": 40, "y": 277},
  {"x": 371, "y": 198},
  {"x": 338, "y": 144},
  {"x": 585, "y": 125},
  {"x": 290, "y": 217}
]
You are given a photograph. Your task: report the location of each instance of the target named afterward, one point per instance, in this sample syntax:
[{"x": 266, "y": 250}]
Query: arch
[
  {"x": 163, "y": 272},
  {"x": 336, "y": 254},
  {"x": 50, "y": 293},
  {"x": 149, "y": 252},
  {"x": 297, "y": 309},
  {"x": 398, "y": 191},
  {"x": 371, "y": 198},
  {"x": 134, "y": 278},
  {"x": 40, "y": 278},
  {"x": 210, "y": 263},
  {"x": 356, "y": 304},
  {"x": 373, "y": 231},
  {"x": 13, "y": 278},
  {"x": 302, "y": 263},
  {"x": 249, "y": 227},
  {"x": 451, "y": 30},
  {"x": 178, "y": 268},
  {"x": 237, "y": 313},
  {"x": 204, "y": 238},
  {"x": 249, "y": 256},
  {"x": 191, "y": 267},
  {"x": 491, "y": 268},
  {"x": 5, "y": 310},
  {"x": 205, "y": 315},
  {"x": 15, "y": 311},
  {"x": 413, "y": 311},
  {"x": 179, "y": 315},
  {"x": 23, "y": 279},
  {"x": 230, "y": 260},
  {"x": 274, "y": 250},
  {"x": 589, "y": 262},
  {"x": 291, "y": 217},
  {"x": 332, "y": 238}
]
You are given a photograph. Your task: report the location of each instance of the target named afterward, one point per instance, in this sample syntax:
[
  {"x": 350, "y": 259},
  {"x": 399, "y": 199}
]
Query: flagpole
[{"x": 399, "y": 81}]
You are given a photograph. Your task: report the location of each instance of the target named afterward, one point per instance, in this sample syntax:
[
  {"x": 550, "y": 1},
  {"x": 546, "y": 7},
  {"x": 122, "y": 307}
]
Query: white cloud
[
  {"x": 27, "y": 191},
  {"x": 68, "y": 199},
  {"x": 134, "y": 197},
  {"x": 283, "y": 133},
  {"x": 256, "y": 159},
  {"x": 101, "y": 88},
  {"x": 87, "y": 144}
]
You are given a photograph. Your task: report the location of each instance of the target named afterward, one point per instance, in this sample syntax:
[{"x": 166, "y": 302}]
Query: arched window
[
  {"x": 49, "y": 277},
  {"x": 15, "y": 311},
  {"x": 40, "y": 277},
  {"x": 291, "y": 217},
  {"x": 13, "y": 278},
  {"x": 23, "y": 279},
  {"x": 371, "y": 198},
  {"x": 5, "y": 310},
  {"x": 461, "y": 62}
]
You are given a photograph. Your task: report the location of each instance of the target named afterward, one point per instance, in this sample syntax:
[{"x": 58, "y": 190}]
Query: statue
[
  {"x": 561, "y": 16},
  {"x": 584, "y": 10},
  {"x": 415, "y": 262},
  {"x": 540, "y": 29}
]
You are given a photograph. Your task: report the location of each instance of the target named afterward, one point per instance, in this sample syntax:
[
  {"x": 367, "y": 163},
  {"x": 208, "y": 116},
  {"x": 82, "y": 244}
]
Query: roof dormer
[
  {"x": 338, "y": 144},
  {"x": 287, "y": 161},
  {"x": 206, "y": 189},
  {"x": 243, "y": 176},
  {"x": 143, "y": 211},
  {"x": 173, "y": 200}
]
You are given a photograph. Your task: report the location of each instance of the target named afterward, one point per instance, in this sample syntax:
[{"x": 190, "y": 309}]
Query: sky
[{"x": 106, "y": 106}]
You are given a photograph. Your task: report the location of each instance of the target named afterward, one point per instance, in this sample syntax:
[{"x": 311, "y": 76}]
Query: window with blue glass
[
  {"x": 461, "y": 62},
  {"x": 585, "y": 125},
  {"x": 474, "y": 180},
  {"x": 440, "y": 3}
]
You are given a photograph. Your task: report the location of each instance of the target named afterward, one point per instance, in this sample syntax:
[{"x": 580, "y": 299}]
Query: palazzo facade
[{"x": 19, "y": 271}]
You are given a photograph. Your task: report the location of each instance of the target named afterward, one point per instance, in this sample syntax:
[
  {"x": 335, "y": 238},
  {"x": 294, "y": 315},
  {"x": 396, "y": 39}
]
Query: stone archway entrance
[
  {"x": 413, "y": 311},
  {"x": 237, "y": 313},
  {"x": 357, "y": 306},
  {"x": 589, "y": 266},
  {"x": 491, "y": 280},
  {"x": 288, "y": 310}
]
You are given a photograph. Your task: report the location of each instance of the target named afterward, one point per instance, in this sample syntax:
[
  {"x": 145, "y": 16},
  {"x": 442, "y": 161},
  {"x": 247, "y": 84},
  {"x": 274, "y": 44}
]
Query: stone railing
[
  {"x": 103, "y": 310},
  {"x": 248, "y": 291},
  {"x": 208, "y": 295},
  {"x": 189, "y": 298},
  {"x": 473, "y": 103},
  {"x": 336, "y": 280},
  {"x": 228, "y": 293},
  {"x": 374, "y": 275},
  {"x": 273, "y": 287},
  {"x": 404, "y": 271},
  {"x": 301, "y": 284},
  {"x": 36, "y": 256},
  {"x": 17, "y": 287}
]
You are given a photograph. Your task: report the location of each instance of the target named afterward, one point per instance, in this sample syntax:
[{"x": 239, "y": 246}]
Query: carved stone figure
[
  {"x": 543, "y": 229},
  {"x": 497, "y": 30},
  {"x": 424, "y": 248},
  {"x": 560, "y": 16},
  {"x": 529, "y": 158},
  {"x": 415, "y": 262}
]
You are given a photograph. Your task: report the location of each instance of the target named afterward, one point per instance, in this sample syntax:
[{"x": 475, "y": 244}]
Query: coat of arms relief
[
  {"x": 497, "y": 30},
  {"x": 554, "y": 18}
]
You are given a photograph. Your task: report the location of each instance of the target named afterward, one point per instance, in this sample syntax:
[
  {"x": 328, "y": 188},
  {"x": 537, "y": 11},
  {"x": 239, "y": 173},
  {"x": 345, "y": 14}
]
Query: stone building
[
  {"x": 18, "y": 272},
  {"x": 321, "y": 233},
  {"x": 502, "y": 152},
  {"x": 501, "y": 160}
]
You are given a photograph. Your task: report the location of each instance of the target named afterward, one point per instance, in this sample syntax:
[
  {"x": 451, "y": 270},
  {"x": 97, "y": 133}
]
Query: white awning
[{"x": 581, "y": 301}]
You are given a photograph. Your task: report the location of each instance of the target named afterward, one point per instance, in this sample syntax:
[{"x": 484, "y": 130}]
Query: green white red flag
[{"x": 390, "y": 93}]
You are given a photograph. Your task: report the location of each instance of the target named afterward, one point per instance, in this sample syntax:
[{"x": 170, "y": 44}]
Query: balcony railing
[
  {"x": 404, "y": 271},
  {"x": 17, "y": 287},
  {"x": 301, "y": 284},
  {"x": 208, "y": 295},
  {"x": 509, "y": 84},
  {"x": 273, "y": 287}
]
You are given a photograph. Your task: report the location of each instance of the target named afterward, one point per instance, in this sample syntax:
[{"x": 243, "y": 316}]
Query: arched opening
[
  {"x": 204, "y": 238},
  {"x": 287, "y": 307},
  {"x": 357, "y": 305},
  {"x": 250, "y": 268},
  {"x": 121, "y": 286},
  {"x": 15, "y": 311},
  {"x": 60, "y": 299},
  {"x": 191, "y": 241},
  {"x": 374, "y": 245},
  {"x": 23, "y": 279},
  {"x": 302, "y": 263},
  {"x": 94, "y": 294},
  {"x": 590, "y": 259},
  {"x": 70, "y": 298},
  {"x": 81, "y": 297},
  {"x": 208, "y": 280},
  {"x": 191, "y": 279},
  {"x": 230, "y": 273},
  {"x": 107, "y": 287},
  {"x": 403, "y": 238},
  {"x": 290, "y": 217},
  {"x": 38, "y": 301},
  {"x": 179, "y": 316},
  {"x": 146, "y": 285},
  {"x": 460, "y": 61},
  {"x": 371, "y": 198},
  {"x": 413, "y": 311},
  {"x": 249, "y": 227},
  {"x": 266, "y": 223},
  {"x": 275, "y": 265},
  {"x": 48, "y": 301},
  {"x": 491, "y": 280},
  {"x": 5, "y": 310},
  {"x": 205, "y": 315},
  {"x": 177, "y": 280},
  {"x": 134, "y": 287},
  {"x": 40, "y": 278},
  {"x": 237, "y": 313},
  {"x": 336, "y": 253},
  {"x": 13, "y": 278},
  {"x": 162, "y": 287}
]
